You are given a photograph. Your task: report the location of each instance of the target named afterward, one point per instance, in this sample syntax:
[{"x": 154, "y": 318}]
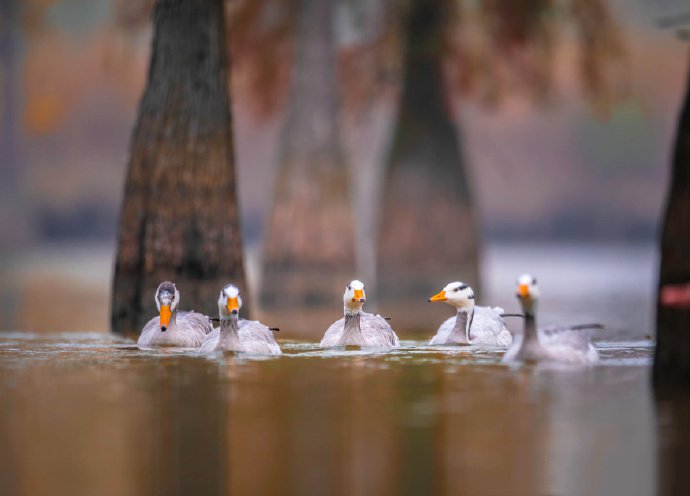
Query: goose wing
[
  {"x": 333, "y": 333},
  {"x": 257, "y": 338},
  {"x": 377, "y": 331},
  {"x": 211, "y": 341},
  {"x": 570, "y": 344},
  {"x": 444, "y": 330},
  {"x": 149, "y": 331},
  {"x": 193, "y": 327},
  {"x": 488, "y": 327}
]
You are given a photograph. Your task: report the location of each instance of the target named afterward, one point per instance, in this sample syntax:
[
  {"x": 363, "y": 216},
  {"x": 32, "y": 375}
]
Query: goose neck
[
  {"x": 461, "y": 330},
  {"x": 229, "y": 329},
  {"x": 352, "y": 322},
  {"x": 530, "y": 326}
]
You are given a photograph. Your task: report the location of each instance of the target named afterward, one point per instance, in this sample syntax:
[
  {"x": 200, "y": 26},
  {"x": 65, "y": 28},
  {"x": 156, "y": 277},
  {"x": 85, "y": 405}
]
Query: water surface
[{"x": 92, "y": 414}]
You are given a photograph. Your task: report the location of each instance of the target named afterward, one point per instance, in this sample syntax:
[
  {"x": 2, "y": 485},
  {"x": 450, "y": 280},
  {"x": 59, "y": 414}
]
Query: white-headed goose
[
  {"x": 359, "y": 328},
  {"x": 235, "y": 334},
  {"x": 173, "y": 327},
  {"x": 557, "y": 344},
  {"x": 472, "y": 324}
]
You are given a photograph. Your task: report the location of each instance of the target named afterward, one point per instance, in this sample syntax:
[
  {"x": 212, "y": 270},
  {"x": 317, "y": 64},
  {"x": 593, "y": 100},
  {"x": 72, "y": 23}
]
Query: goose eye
[
  {"x": 349, "y": 287},
  {"x": 534, "y": 280}
]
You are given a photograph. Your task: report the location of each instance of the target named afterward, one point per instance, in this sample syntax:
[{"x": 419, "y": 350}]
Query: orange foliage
[
  {"x": 44, "y": 112},
  {"x": 260, "y": 39},
  {"x": 34, "y": 12},
  {"x": 494, "y": 48},
  {"x": 503, "y": 48}
]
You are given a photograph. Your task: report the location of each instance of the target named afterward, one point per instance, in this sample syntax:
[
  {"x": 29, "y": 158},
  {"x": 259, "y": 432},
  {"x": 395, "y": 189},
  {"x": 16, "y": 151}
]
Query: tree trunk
[
  {"x": 180, "y": 216},
  {"x": 309, "y": 248},
  {"x": 673, "y": 439},
  {"x": 427, "y": 234},
  {"x": 672, "y": 359}
]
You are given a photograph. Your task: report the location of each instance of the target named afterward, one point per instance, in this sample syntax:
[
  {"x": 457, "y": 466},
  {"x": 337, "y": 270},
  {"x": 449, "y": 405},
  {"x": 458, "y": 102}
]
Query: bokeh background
[{"x": 563, "y": 184}]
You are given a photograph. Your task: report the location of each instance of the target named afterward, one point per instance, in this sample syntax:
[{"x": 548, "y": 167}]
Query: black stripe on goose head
[
  {"x": 166, "y": 290},
  {"x": 166, "y": 287}
]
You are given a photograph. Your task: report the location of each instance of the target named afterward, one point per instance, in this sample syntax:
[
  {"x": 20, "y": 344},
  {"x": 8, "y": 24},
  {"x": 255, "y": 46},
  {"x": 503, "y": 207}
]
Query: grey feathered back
[
  {"x": 376, "y": 332},
  {"x": 254, "y": 338}
]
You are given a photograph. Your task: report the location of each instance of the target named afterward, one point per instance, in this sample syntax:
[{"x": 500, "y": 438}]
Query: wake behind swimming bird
[
  {"x": 472, "y": 324},
  {"x": 173, "y": 327},
  {"x": 358, "y": 328}
]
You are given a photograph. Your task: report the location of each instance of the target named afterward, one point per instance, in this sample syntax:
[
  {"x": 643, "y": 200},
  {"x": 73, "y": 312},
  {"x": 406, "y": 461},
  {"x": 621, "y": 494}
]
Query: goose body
[
  {"x": 374, "y": 332},
  {"x": 486, "y": 327},
  {"x": 239, "y": 335},
  {"x": 553, "y": 344},
  {"x": 358, "y": 328},
  {"x": 172, "y": 327},
  {"x": 472, "y": 324}
]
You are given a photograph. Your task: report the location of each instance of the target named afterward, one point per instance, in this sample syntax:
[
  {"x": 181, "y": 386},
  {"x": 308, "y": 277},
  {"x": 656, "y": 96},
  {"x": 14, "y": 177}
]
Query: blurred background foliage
[
  {"x": 567, "y": 111},
  {"x": 81, "y": 69}
]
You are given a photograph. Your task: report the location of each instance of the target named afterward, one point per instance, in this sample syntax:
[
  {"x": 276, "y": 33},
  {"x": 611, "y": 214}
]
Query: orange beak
[
  {"x": 232, "y": 306},
  {"x": 165, "y": 317},
  {"x": 439, "y": 297},
  {"x": 523, "y": 290},
  {"x": 359, "y": 296}
]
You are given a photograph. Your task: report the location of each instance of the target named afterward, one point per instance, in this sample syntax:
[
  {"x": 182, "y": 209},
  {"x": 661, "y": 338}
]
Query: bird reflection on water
[{"x": 91, "y": 414}]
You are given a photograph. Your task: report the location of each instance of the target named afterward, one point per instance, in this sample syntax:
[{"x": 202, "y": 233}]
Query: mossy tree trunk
[
  {"x": 672, "y": 360},
  {"x": 180, "y": 218},
  {"x": 427, "y": 235},
  {"x": 309, "y": 247}
]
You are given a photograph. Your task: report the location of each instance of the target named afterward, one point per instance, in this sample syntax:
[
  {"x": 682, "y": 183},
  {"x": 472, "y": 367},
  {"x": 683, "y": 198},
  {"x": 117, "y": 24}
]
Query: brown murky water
[{"x": 91, "y": 414}]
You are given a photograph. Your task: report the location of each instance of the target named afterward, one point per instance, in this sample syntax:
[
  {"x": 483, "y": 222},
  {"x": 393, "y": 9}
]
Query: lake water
[{"x": 89, "y": 413}]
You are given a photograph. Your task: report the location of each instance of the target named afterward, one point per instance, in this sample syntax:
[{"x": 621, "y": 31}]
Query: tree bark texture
[
  {"x": 672, "y": 359},
  {"x": 180, "y": 219},
  {"x": 308, "y": 252},
  {"x": 673, "y": 439},
  {"x": 428, "y": 234}
]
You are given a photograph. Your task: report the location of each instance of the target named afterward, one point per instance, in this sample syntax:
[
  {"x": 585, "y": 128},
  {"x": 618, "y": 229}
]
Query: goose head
[
  {"x": 457, "y": 294},
  {"x": 229, "y": 302},
  {"x": 527, "y": 293},
  {"x": 167, "y": 299},
  {"x": 354, "y": 297}
]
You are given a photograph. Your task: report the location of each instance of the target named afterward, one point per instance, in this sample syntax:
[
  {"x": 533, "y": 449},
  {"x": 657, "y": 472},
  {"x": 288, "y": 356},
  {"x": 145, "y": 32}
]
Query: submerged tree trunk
[
  {"x": 180, "y": 215},
  {"x": 309, "y": 248},
  {"x": 672, "y": 359},
  {"x": 427, "y": 232}
]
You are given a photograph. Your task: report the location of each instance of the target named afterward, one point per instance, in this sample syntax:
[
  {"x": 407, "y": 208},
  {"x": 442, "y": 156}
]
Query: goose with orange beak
[
  {"x": 358, "y": 328},
  {"x": 173, "y": 327},
  {"x": 571, "y": 344},
  {"x": 471, "y": 324},
  {"x": 235, "y": 334}
]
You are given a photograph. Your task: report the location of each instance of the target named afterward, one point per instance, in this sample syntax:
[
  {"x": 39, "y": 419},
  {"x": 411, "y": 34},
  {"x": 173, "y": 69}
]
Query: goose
[
  {"x": 472, "y": 324},
  {"x": 556, "y": 344},
  {"x": 235, "y": 334},
  {"x": 359, "y": 328},
  {"x": 173, "y": 328}
]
